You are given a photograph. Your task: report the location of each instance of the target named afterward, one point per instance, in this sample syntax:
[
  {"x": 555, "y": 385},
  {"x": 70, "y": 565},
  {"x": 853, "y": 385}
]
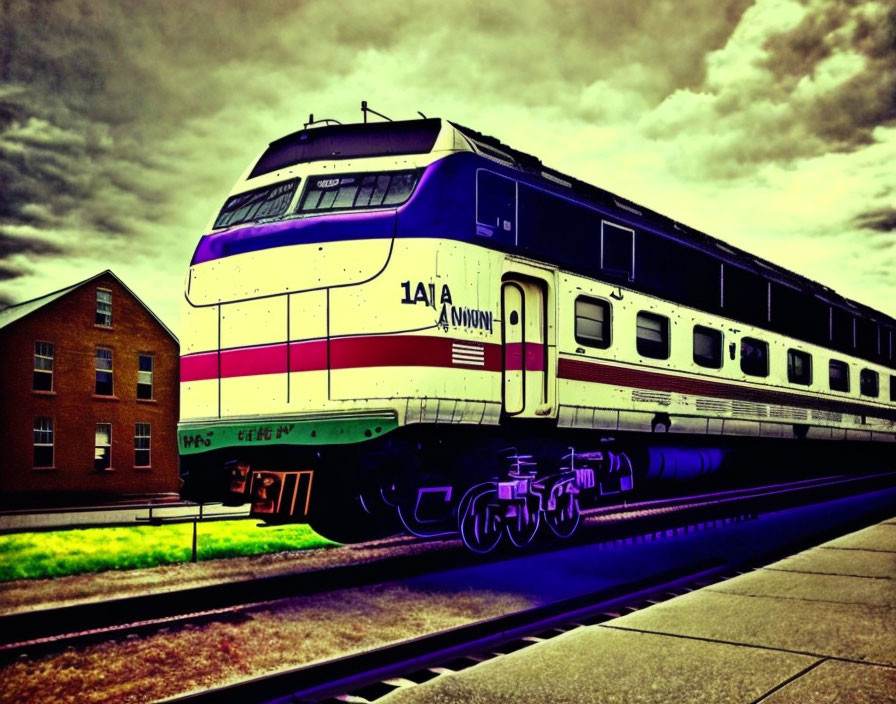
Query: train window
[
  {"x": 869, "y": 383},
  {"x": 653, "y": 335},
  {"x": 496, "y": 203},
  {"x": 754, "y": 357},
  {"x": 839, "y": 375},
  {"x": 353, "y": 192},
  {"x": 707, "y": 347},
  {"x": 799, "y": 367},
  {"x": 694, "y": 280},
  {"x": 555, "y": 228},
  {"x": 745, "y": 295},
  {"x": 617, "y": 251},
  {"x": 892, "y": 387},
  {"x": 268, "y": 202},
  {"x": 593, "y": 322},
  {"x": 841, "y": 329},
  {"x": 866, "y": 338}
]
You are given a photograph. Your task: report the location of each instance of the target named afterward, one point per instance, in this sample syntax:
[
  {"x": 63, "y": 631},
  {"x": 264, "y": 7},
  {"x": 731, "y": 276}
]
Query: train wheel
[
  {"x": 480, "y": 524},
  {"x": 565, "y": 518},
  {"x": 521, "y": 529}
]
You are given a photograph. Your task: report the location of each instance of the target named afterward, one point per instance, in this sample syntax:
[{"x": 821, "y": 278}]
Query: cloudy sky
[{"x": 770, "y": 124}]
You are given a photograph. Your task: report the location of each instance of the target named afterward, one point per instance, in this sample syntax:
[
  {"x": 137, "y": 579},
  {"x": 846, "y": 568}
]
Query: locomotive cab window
[
  {"x": 356, "y": 191},
  {"x": 869, "y": 383},
  {"x": 839, "y": 375},
  {"x": 258, "y": 204},
  {"x": 653, "y": 335},
  {"x": 754, "y": 357},
  {"x": 707, "y": 347},
  {"x": 592, "y": 322},
  {"x": 799, "y": 367}
]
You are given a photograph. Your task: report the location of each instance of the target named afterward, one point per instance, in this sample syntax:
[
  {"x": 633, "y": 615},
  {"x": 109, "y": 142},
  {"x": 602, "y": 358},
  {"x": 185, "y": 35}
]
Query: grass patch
[{"x": 80, "y": 550}]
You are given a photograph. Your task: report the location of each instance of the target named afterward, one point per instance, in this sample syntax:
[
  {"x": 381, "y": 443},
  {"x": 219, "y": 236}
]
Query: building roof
[{"x": 20, "y": 310}]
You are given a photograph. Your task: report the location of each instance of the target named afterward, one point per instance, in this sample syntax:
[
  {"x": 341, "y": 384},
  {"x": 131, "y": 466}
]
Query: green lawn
[{"x": 78, "y": 550}]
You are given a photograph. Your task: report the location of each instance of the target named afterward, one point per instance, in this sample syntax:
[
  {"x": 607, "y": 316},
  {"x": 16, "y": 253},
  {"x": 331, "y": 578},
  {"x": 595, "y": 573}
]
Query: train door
[{"x": 527, "y": 378}]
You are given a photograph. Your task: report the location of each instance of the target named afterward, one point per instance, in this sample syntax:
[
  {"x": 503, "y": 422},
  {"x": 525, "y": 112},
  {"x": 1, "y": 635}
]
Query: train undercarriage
[{"x": 489, "y": 489}]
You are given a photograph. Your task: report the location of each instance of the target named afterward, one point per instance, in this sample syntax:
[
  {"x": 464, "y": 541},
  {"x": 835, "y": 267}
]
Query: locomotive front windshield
[
  {"x": 268, "y": 202},
  {"x": 358, "y": 191}
]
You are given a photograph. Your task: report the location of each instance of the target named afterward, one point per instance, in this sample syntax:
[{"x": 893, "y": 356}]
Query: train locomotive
[{"x": 411, "y": 325}]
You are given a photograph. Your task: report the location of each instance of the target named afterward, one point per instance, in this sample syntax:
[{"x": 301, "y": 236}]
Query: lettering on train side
[
  {"x": 462, "y": 317},
  {"x": 264, "y": 433},
  {"x": 424, "y": 293},
  {"x": 450, "y": 314},
  {"x": 197, "y": 440}
]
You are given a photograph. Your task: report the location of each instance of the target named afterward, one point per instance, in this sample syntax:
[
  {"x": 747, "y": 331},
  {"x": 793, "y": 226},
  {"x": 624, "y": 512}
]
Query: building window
[
  {"x": 592, "y": 322},
  {"x": 104, "y": 307},
  {"x": 839, "y": 375},
  {"x": 653, "y": 336},
  {"x": 707, "y": 347},
  {"x": 141, "y": 445},
  {"x": 144, "y": 376},
  {"x": 43, "y": 442},
  {"x": 799, "y": 367},
  {"x": 754, "y": 357},
  {"x": 103, "y": 365},
  {"x": 869, "y": 383},
  {"x": 102, "y": 447},
  {"x": 43, "y": 366}
]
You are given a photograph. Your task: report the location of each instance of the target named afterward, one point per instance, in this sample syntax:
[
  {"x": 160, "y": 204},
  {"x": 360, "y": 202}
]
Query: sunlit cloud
[{"x": 770, "y": 124}]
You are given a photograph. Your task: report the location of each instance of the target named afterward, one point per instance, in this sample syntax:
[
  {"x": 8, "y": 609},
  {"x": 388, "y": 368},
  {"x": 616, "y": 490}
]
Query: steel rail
[
  {"x": 368, "y": 675},
  {"x": 43, "y": 631}
]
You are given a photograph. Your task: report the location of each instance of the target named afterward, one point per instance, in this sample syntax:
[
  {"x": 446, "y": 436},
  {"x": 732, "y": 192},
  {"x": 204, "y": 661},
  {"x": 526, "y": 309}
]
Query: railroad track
[
  {"x": 45, "y": 631},
  {"x": 367, "y": 676}
]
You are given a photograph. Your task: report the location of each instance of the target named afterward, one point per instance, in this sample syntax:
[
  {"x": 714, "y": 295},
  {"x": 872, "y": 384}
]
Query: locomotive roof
[
  {"x": 418, "y": 136},
  {"x": 684, "y": 233}
]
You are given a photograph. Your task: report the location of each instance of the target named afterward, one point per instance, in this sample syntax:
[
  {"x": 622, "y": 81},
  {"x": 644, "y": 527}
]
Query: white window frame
[
  {"x": 41, "y": 353},
  {"x": 100, "y": 311},
  {"x": 97, "y": 445},
  {"x": 141, "y": 374},
  {"x": 138, "y": 436},
  {"x": 98, "y": 369},
  {"x": 47, "y": 433}
]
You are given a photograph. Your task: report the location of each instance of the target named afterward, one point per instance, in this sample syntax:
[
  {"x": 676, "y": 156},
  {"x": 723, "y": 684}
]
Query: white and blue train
[{"x": 410, "y": 323}]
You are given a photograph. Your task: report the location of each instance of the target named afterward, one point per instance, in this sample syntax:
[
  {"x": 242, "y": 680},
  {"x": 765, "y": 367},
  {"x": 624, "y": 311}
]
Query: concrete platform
[{"x": 816, "y": 627}]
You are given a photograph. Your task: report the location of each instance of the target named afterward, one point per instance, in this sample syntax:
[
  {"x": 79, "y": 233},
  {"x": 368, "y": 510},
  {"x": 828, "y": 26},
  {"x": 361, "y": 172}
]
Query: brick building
[{"x": 89, "y": 402}]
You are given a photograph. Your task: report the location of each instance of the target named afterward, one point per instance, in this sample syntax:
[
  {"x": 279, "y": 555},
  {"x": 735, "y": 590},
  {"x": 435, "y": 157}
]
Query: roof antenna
[
  {"x": 366, "y": 110},
  {"x": 422, "y": 115}
]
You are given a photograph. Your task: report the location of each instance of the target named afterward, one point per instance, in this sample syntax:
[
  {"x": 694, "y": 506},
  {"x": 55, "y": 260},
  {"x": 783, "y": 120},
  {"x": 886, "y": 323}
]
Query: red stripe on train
[{"x": 345, "y": 353}]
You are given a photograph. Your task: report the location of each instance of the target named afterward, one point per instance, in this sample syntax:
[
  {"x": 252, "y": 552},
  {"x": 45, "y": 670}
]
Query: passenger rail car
[{"x": 411, "y": 324}]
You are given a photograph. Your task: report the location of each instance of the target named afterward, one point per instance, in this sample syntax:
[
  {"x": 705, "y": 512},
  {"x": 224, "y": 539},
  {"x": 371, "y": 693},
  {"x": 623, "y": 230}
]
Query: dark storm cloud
[
  {"x": 794, "y": 82},
  {"x": 17, "y": 254},
  {"x": 11, "y": 245},
  {"x": 844, "y": 116},
  {"x": 883, "y": 220},
  {"x": 8, "y": 272}
]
